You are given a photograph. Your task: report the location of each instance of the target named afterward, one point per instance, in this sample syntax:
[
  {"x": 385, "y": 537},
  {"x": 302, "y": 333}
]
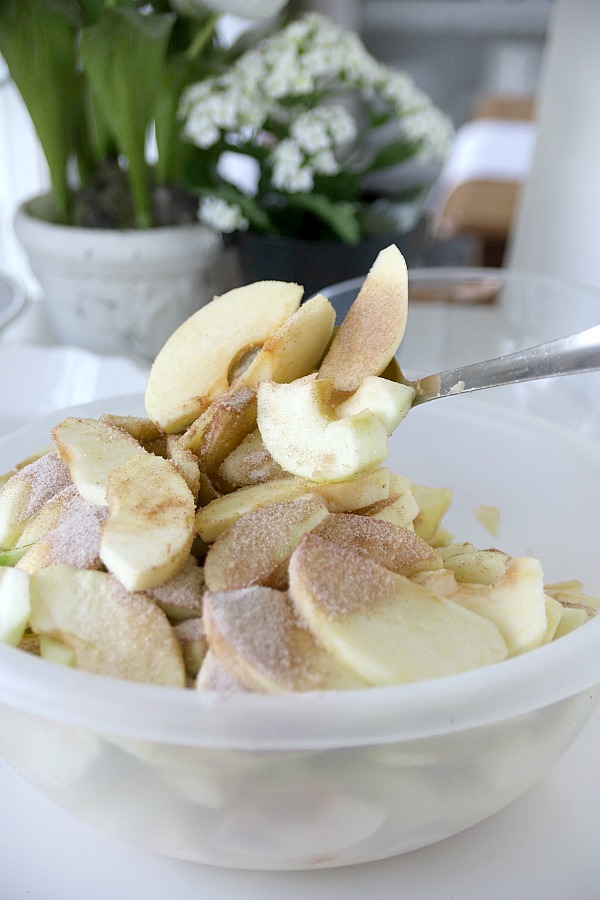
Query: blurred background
[{"x": 475, "y": 58}]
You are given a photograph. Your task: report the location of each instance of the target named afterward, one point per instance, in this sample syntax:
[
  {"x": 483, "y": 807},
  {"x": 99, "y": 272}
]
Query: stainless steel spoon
[{"x": 566, "y": 356}]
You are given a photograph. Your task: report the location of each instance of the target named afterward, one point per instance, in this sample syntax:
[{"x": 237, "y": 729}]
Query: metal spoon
[{"x": 566, "y": 356}]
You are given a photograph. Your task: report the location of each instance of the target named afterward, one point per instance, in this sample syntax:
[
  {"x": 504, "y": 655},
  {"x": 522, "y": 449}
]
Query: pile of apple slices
[{"x": 245, "y": 535}]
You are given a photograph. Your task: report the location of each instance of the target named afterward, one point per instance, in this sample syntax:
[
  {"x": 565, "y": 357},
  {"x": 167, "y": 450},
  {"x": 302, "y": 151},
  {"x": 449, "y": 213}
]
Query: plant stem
[
  {"x": 203, "y": 36},
  {"x": 139, "y": 180}
]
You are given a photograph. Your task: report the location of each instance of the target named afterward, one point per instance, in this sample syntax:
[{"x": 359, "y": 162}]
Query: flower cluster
[{"x": 319, "y": 113}]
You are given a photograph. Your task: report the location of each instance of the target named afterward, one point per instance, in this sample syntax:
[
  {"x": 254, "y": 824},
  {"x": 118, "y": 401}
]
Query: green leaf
[
  {"x": 200, "y": 169},
  {"x": 91, "y": 10},
  {"x": 173, "y": 151},
  {"x": 123, "y": 57},
  {"x": 340, "y": 217},
  {"x": 38, "y": 43},
  {"x": 392, "y": 154},
  {"x": 255, "y": 214}
]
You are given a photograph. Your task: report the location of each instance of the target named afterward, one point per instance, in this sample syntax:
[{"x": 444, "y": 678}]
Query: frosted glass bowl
[{"x": 329, "y": 779}]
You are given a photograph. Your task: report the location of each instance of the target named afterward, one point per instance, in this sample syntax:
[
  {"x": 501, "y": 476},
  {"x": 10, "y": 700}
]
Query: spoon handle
[{"x": 566, "y": 356}]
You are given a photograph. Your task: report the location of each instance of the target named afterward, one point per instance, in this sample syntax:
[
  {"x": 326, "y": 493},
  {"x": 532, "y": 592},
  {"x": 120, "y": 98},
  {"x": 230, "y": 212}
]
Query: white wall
[{"x": 557, "y": 231}]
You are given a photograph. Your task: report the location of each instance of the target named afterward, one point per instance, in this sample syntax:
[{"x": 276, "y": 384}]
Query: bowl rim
[
  {"x": 312, "y": 720},
  {"x": 472, "y": 273},
  {"x": 316, "y": 720}
]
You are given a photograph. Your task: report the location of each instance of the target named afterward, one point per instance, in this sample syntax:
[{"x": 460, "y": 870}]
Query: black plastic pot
[{"x": 313, "y": 264}]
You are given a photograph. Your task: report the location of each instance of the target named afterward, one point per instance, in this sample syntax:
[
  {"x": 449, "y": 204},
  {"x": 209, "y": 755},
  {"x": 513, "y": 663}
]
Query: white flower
[
  {"x": 291, "y": 171},
  {"x": 325, "y": 163},
  {"x": 432, "y": 129},
  {"x": 342, "y": 125},
  {"x": 222, "y": 216},
  {"x": 287, "y": 76},
  {"x": 251, "y": 69},
  {"x": 311, "y": 132},
  {"x": 219, "y": 106},
  {"x": 298, "y": 30},
  {"x": 200, "y": 129},
  {"x": 301, "y": 102},
  {"x": 400, "y": 90},
  {"x": 324, "y": 128}
]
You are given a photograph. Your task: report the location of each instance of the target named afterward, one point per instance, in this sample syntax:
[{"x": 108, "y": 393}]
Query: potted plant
[
  {"x": 342, "y": 151},
  {"x": 102, "y": 82}
]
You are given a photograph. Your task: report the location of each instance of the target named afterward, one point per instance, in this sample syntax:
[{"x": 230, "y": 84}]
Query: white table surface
[{"x": 545, "y": 846}]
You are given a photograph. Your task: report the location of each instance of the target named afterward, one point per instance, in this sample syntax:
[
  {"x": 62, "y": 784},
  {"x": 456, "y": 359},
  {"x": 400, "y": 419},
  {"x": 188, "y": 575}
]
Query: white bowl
[{"x": 327, "y": 779}]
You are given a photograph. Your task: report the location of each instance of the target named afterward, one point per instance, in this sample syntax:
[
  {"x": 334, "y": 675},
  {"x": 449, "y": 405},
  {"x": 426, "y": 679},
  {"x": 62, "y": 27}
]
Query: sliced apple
[
  {"x": 109, "y": 630},
  {"x": 489, "y": 516},
  {"x": 254, "y": 549},
  {"x": 474, "y": 566},
  {"x": 297, "y": 347},
  {"x": 388, "y": 400},
  {"x": 433, "y": 503},
  {"x": 222, "y": 427},
  {"x": 14, "y": 499},
  {"x": 571, "y": 593},
  {"x": 150, "y": 527},
  {"x": 355, "y": 493},
  {"x": 11, "y": 557},
  {"x": 207, "y": 492},
  {"x": 255, "y": 632},
  {"x": 393, "y": 372},
  {"x": 301, "y": 432},
  {"x": 383, "y": 626},
  {"x": 399, "y": 507},
  {"x": 396, "y": 548},
  {"x": 516, "y": 603},
  {"x": 571, "y": 618},
  {"x": 553, "y": 615},
  {"x": 143, "y": 430},
  {"x": 342, "y": 496},
  {"x": 14, "y": 605},
  {"x": 213, "y": 676},
  {"x": 196, "y": 363},
  {"x": 250, "y": 463},
  {"x": 439, "y": 581},
  {"x": 185, "y": 461},
  {"x": 180, "y": 598},
  {"x": 56, "y": 651},
  {"x": 194, "y": 645},
  {"x": 576, "y": 607},
  {"x": 26, "y": 492},
  {"x": 219, "y": 514},
  {"x": 74, "y": 539},
  {"x": 92, "y": 450},
  {"x": 47, "y": 518},
  {"x": 374, "y": 325}
]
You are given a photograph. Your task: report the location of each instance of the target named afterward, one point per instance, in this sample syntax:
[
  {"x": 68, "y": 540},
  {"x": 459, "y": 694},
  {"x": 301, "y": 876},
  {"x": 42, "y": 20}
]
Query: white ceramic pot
[{"x": 121, "y": 292}]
